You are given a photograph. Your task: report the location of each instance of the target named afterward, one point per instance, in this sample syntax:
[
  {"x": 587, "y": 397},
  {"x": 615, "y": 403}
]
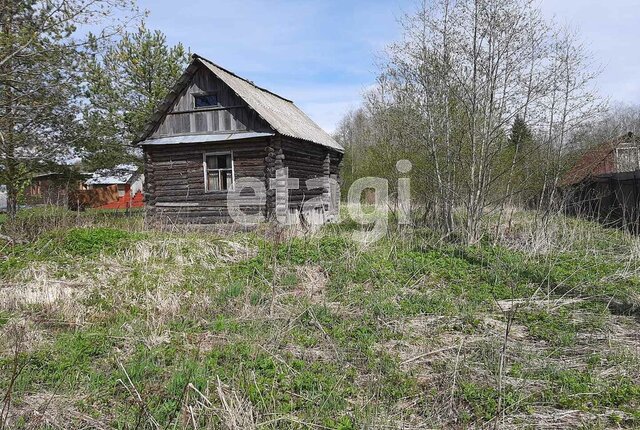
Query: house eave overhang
[{"x": 204, "y": 138}]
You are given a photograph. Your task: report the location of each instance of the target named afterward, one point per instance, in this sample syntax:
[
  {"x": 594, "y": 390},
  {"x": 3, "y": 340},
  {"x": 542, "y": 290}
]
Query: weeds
[{"x": 126, "y": 327}]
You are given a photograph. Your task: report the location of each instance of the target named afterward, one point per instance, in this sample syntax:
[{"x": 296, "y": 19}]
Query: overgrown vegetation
[
  {"x": 487, "y": 99},
  {"x": 105, "y": 324}
]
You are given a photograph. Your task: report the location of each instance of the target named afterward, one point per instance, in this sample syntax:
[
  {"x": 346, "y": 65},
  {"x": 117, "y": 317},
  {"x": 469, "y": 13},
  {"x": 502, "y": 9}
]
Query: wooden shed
[
  {"x": 54, "y": 188},
  {"x": 216, "y": 128},
  {"x": 119, "y": 187},
  {"x": 604, "y": 183}
]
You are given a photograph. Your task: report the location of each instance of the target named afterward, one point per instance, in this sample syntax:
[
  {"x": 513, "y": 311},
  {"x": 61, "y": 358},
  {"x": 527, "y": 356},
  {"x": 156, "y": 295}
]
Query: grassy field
[{"x": 107, "y": 324}]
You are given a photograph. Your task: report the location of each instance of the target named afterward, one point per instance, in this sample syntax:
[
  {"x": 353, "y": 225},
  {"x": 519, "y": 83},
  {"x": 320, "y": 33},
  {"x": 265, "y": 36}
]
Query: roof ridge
[{"x": 201, "y": 58}]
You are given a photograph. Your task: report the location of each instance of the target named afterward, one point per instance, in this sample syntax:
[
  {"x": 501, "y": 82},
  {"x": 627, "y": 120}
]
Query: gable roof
[
  {"x": 596, "y": 161},
  {"x": 280, "y": 113}
]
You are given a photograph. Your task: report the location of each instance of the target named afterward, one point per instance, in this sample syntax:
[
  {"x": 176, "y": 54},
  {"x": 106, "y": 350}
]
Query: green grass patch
[{"x": 92, "y": 241}]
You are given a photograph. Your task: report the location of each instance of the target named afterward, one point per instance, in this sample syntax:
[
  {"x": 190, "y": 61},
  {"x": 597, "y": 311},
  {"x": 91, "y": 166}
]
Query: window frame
[
  {"x": 205, "y": 94},
  {"x": 206, "y": 171}
]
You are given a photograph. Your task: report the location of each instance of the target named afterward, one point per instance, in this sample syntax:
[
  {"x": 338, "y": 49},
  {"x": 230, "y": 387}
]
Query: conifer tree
[
  {"x": 124, "y": 86},
  {"x": 520, "y": 137}
]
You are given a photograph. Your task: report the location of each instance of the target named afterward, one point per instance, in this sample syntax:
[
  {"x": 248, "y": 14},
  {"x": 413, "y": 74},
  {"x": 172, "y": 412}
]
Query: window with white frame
[{"x": 218, "y": 171}]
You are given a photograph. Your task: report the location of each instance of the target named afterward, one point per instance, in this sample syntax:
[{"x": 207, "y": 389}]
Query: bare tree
[
  {"x": 462, "y": 73},
  {"x": 570, "y": 104}
]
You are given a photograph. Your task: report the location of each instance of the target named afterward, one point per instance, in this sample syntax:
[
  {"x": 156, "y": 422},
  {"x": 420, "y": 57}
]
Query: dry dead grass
[
  {"x": 21, "y": 334},
  {"x": 38, "y": 289},
  {"x": 235, "y": 411},
  {"x": 187, "y": 251},
  {"x": 47, "y": 410},
  {"x": 313, "y": 283},
  {"x": 544, "y": 417},
  {"x": 217, "y": 406}
]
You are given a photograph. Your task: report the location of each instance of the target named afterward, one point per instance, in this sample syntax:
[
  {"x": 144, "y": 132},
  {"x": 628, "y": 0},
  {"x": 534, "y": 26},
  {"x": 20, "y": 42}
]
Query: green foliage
[
  {"x": 125, "y": 84},
  {"x": 69, "y": 360},
  {"x": 344, "y": 423},
  {"x": 483, "y": 400},
  {"x": 371, "y": 149},
  {"x": 41, "y": 53},
  {"x": 301, "y": 250},
  {"x": 520, "y": 138},
  {"x": 557, "y": 328},
  {"x": 583, "y": 390},
  {"x": 92, "y": 241},
  {"x": 4, "y": 318}
]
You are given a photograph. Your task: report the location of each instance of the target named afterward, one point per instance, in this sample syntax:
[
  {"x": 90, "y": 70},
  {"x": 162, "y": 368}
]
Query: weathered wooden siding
[
  {"x": 175, "y": 185},
  {"x": 175, "y": 180},
  {"x": 233, "y": 114},
  {"x": 612, "y": 199},
  {"x": 304, "y": 161},
  {"x": 336, "y": 197},
  {"x": 307, "y": 161}
]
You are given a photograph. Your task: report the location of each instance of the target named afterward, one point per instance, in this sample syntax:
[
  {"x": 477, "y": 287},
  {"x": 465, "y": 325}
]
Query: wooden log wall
[
  {"x": 274, "y": 160},
  {"x": 334, "y": 171},
  {"x": 305, "y": 161},
  {"x": 175, "y": 185},
  {"x": 326, "y": 193},
  {"x": 149, "y": 183}
]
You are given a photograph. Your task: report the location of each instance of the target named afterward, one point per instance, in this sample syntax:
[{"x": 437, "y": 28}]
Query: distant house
[
  {"x": 120, "y": 187},
  {"x": 604, "y": 183},
  {"x": 215, "y": 128},
  {"x": 54, "y": 188}
]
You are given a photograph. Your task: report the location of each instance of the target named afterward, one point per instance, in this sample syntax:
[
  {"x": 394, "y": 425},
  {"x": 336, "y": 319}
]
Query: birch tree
[{"x": 462, "y": 73}]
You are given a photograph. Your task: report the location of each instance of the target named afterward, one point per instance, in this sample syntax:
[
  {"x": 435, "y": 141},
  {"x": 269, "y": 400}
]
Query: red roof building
[
  {"x": 618, "y": 156},
  {"x": 604, "y": 183}
]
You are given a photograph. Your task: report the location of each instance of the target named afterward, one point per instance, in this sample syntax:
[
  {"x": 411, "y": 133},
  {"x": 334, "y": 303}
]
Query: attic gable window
[
  {"x": 202, "y": 101},
  {"x": 218, "y": 171}
]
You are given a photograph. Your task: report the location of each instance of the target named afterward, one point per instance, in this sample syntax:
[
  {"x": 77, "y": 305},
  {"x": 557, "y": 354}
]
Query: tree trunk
[
  {"x": 12, "y": 200},
  {"x": 7, "y": 103}
]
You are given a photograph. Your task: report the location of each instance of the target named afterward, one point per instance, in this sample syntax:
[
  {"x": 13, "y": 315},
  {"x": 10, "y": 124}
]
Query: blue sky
[{"x": 322, "y": 54}]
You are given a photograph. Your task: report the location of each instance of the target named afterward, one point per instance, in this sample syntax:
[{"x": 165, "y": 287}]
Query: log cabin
[{"x": 215, "y": 129}]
